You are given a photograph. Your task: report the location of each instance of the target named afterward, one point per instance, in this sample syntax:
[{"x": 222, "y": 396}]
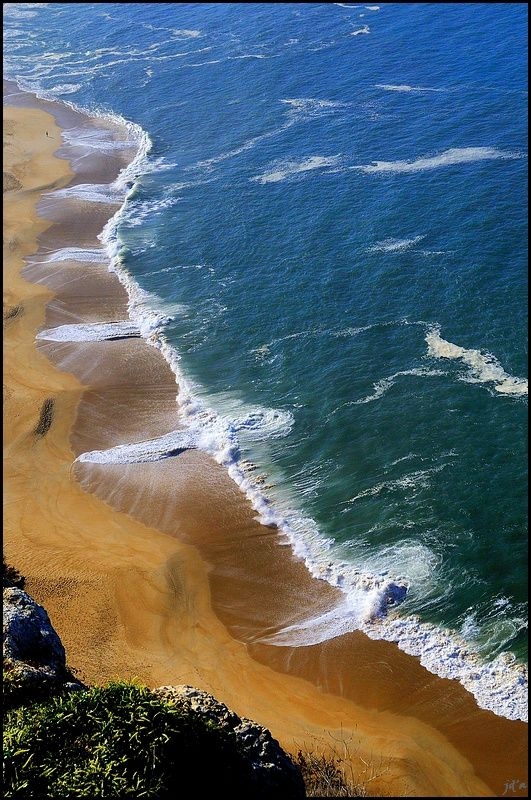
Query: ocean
[{"x": 323, "y": 228}]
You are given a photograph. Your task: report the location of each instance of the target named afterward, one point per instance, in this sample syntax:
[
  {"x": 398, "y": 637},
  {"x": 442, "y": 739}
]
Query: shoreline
[{"x": 172, "y": 621}]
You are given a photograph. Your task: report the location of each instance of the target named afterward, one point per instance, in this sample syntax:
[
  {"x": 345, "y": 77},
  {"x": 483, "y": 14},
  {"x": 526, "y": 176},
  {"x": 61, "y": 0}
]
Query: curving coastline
[{"x": 194, "y": 500}]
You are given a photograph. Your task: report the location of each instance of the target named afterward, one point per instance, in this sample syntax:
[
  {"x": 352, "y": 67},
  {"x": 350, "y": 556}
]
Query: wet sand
[{"x": 159, "y": 570}]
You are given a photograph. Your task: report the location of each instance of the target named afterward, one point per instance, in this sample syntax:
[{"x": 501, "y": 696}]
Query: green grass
[{"x": 119, "y": 740}]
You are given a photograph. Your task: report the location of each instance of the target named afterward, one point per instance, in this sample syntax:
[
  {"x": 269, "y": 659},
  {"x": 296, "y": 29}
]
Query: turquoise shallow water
[{"x": 329, "y": 217}]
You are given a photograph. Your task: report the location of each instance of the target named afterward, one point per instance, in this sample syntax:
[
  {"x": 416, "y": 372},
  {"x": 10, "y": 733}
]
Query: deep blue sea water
[{"x": 326, "y": 227}]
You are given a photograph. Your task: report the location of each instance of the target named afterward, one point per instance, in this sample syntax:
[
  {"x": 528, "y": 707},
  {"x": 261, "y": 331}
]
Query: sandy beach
[{"x": 159, "y": 571}]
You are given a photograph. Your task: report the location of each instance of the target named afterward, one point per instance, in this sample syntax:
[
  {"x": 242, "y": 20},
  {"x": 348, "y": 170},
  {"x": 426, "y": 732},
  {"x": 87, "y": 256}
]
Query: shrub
[
  {"x": 323, "y": 777},
  {"x": 119, "y": 740}
]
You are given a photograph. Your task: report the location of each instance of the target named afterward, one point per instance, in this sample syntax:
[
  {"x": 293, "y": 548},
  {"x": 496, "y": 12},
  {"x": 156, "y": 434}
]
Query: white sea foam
[
  {"x": 248, "y": 55},
  {"x": 247, "y": 145},
  {"x": 500, "y": 686},
  {"x": 67, "y": 88},
  {"x": 264, "y": 423},
  {"x": 404, "y": 87},
  {"x": 411, "y": 481},
  {"x": 92, "y": 139},
  {"x": 88, "y": 254},
  {"x": 482, "y": 367},
  {"x": 490, "y": 628},
  {"x": 176, "y": 267},
  {"x": 90, "y": 332},
  {"x": 313, "y": 106},
  {"x": 365, "y": 29},
  {"x": 350, "y": 613},
  {"x": 455, "y": 155},
  {"x": 383, "y": 385},
  {"x": 184, "y": 33},
  {"x": 91, "y": 192},
  {"x": 138, "y": 212},
  {"x": 139, "y": 165},
  {"x": 149, "y": 450},
  {"x": 395, "y": 245},
  {"x": 286, "y": 169},
  {"x": 178, "y": 33},
  {"x": 18, "y": 10},
  {"x": 203, "y": 63},
  {"x": 265, "y": 349}
]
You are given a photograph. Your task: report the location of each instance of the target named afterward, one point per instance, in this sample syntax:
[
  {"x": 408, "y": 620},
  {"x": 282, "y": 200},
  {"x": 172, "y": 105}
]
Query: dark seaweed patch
[{"x": 46, "y": 417}]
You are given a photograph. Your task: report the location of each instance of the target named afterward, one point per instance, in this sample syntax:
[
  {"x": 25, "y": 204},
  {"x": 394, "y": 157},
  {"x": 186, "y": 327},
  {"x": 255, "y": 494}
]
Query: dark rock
[
  {"x": 34, "y": 657},
  {"x": 274, "y": 775}
]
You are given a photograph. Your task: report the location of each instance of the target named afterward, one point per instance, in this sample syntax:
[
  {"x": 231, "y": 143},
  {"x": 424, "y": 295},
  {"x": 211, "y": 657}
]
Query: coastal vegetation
[{"x": 121, "y": 740}]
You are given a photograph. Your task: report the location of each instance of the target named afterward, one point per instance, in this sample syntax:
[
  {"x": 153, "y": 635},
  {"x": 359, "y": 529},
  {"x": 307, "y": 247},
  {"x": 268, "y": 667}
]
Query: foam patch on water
[
  {"x": 383, "y": 386},
  {"x": 185, "y": 33},
  {"x": 500, "y": 686},
  {"x": 67, "y": 88},
  {"x": 248, "y": 55},
  {"x": 404, "y": 87},
  {"x": 301, "y": 108},
  {"x": 412, "y": 481},
  {"x": 90, "y": 332},
  {"x": 395, "y": 245},
  {"x": 286, "y": 169},
  {"x": 365, "y": 29},
  {"x": 349, "y": 615},
  {"x": 209, "y": 163},
  {"x": 450, "y": 157},
  {"x": 482, "y": 367},
  {"x": 264, "y": 424}
]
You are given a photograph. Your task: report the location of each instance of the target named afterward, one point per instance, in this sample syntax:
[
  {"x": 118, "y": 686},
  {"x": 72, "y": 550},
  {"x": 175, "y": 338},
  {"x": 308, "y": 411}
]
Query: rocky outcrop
[
  {"x": 273, "y": 772},
  {"x": 34, "y": 657}
]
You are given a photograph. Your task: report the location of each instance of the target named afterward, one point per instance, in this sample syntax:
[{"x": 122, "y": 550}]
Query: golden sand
[{"x": 131, "y": 601}]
